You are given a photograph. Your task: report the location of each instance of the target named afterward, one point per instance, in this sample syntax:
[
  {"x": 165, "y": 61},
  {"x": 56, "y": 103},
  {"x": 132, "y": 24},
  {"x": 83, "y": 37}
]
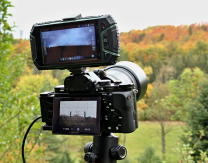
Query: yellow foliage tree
[
  {"x": 148, "y": 71},
  {"x": 142, "y": 104},
  {"x": 34, "y": 83}
]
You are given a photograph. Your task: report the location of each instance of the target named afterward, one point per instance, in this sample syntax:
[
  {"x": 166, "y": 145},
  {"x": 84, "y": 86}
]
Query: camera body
[{"x": 117, "y": 110}]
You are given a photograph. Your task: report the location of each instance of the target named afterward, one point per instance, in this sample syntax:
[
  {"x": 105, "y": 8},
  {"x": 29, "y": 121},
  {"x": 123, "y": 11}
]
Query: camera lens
[{"x": 129, "y": 72}]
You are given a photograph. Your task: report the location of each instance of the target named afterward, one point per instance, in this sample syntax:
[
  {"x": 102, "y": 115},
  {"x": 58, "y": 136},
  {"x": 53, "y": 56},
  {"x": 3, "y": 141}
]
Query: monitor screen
[
  {"x": 76, "y": 116},
  {"x": 75, "y": 43}
]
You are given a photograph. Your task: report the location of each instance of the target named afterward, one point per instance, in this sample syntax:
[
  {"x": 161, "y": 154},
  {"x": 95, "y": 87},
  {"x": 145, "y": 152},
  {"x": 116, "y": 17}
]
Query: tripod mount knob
[
  {"x": 88, "y": 147},
  {"x": 90, "y": 157},
  {"x": 118, "y": 152}
]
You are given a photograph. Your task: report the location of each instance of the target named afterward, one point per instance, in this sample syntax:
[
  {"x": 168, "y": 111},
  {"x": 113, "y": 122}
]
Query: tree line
[{"x": 175, "y": 60}]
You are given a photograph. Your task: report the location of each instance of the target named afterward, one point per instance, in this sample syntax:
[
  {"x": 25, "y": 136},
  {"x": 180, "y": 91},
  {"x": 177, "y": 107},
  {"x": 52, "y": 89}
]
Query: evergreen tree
[
  {"x": 66, "y": 157},
  {"x": 56, "y": 149},
  {"x": 149, "y": 156},
  {"x": 199, "y": 121}
]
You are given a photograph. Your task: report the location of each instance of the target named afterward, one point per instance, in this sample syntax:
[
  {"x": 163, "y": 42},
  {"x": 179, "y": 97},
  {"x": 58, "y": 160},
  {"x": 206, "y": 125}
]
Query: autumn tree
[{"x": 17, "y": 107}]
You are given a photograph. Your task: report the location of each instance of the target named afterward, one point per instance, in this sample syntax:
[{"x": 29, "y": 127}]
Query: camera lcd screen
[
  {"x": 76, "y": 116},
  {"x": 72, "y": 44}
]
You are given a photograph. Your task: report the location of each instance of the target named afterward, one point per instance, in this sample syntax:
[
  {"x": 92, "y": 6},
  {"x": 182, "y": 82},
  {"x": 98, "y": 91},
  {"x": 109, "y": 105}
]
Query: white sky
[
  {"x": 78, "y": 108},
  {"x": 129, "y": 14}
]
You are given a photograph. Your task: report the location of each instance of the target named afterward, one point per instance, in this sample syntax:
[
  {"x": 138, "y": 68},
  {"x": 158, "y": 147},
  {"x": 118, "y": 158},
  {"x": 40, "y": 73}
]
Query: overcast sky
[{"x": 129, "y": 14}]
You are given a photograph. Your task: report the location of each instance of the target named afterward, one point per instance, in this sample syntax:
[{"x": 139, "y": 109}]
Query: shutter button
[{"x": 103, "y": 25}]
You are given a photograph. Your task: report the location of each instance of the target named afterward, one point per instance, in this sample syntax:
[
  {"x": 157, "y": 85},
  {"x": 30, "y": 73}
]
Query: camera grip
[{"x": 125, "y": 103}]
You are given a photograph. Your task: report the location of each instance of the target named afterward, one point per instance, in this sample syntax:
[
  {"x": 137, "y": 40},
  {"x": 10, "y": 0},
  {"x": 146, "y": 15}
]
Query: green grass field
[{"x": 148, "y": 134}]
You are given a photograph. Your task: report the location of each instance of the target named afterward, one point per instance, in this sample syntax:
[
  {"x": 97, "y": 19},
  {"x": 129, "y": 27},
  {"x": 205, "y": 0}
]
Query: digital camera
[{"x": 88, "y": 103}]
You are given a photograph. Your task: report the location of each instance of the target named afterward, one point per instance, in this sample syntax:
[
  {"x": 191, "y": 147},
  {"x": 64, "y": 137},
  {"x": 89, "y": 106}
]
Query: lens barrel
[{"x": 129, "y": 72}]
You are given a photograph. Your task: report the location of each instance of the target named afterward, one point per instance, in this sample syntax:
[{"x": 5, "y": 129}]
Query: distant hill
[{"x": 176, "y": 47}]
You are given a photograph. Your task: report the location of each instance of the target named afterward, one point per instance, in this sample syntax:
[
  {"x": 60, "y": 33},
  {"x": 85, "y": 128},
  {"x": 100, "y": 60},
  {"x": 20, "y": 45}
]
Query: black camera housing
[
  {"x": 106, "y": 44},
  {"x": 105, "y": 99},
  {"x": 118, "y": 111}
]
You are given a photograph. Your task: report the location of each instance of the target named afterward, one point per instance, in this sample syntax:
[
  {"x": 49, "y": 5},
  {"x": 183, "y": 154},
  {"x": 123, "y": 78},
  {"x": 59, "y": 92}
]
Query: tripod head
[{"x": 104, "y": 149}]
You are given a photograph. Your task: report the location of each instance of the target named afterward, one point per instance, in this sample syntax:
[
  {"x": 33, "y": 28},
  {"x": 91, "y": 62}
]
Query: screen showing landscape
[{"x": 77, "y": 117}]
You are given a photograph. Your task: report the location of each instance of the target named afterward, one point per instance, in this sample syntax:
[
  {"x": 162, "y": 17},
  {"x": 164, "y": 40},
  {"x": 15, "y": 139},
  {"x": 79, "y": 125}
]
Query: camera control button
[
  {"x": 105, "y": 40},
  {"x": 113, "y": 117},
  {"x": 103, "y": 25}
]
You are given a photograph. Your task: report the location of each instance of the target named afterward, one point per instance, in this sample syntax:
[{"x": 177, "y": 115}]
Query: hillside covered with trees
[
  {"x": 175, "y": 47},
  {"x": 175, "y": 60}
]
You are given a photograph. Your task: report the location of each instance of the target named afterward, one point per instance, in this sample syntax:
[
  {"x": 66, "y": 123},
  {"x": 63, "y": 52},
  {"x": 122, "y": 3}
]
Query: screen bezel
[
  {"x": 56, "y": 113},
  {"x": 40, "y": 55}
]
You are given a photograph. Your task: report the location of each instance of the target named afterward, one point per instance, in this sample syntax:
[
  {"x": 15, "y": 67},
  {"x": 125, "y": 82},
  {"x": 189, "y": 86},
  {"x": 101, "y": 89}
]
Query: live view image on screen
[
  {"x": 77, "y": 43},
  {"x": 77, "y": 117}
]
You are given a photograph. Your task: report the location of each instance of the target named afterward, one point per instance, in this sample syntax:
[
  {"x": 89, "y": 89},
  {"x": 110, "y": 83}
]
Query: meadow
[{"x": 148, "y": 134}]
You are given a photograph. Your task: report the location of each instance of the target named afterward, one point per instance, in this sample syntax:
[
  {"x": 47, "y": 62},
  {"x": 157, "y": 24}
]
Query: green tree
[
  {"x": 185, "y": 151},
  {"x": 17, "y": 107},
  {"x": 66, "y": 157},
  {"x": 123, "y": 54},
  {"x": 182, "y": 93},
  {"x": 198, "y": 121},
  {"x": 190, "y": 30},
  {"x": 5, "y": 29},
  {"x": 141, "y": 36},
  {"x": 83, "y": 141},
  {"x": 200, "y": 47},
  {"x": 162, "y": 36},
  {"x": 149, "y": 156},
  {"x": 160, "y": 112},
  {"x": 56, "y": 151},
  {"x": 158, "y": 104}
]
